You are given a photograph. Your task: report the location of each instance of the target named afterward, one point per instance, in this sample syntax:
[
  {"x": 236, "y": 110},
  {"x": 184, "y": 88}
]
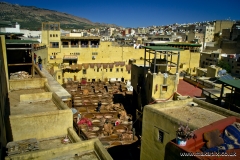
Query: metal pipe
[
  {"x": 178, "y": 59},
  {"x": 154, "y": 69},
  {"x": 145, "y": 63}
]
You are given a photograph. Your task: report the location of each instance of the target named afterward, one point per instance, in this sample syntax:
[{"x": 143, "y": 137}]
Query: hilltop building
[
  {"x": 222, "y": 24},
  {"x": 12, "y": 29}
]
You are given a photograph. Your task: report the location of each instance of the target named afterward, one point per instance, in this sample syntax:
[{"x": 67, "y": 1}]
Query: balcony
[
  {"x": 74, "y": 46},
  {"x": 84, "y": 46},
  {"x": 94, "y": 46},
  {"x": 65, "y": 46}
]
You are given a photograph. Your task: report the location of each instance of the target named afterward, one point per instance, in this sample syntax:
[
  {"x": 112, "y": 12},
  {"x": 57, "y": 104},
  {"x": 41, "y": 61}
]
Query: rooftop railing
[
  {"x": 65, "y": 46},
  {"x": 94, "y": 46},
  {"x": 84, "y": 46},
  {"x": 74, "y": 46},
  {"x": 39, "y": 47}
]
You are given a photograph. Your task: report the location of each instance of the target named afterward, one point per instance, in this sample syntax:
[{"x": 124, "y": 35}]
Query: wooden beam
[{"x": 20, "y": 64}]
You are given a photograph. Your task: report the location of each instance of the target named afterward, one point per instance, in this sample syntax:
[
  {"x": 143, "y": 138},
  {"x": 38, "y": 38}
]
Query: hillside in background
[{"x": 30, "y": 17}]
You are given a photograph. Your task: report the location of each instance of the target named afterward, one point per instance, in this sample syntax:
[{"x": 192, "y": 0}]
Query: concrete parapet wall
[
  {"x": 38, "y": 71},
  {"x": 198, "y": 82},
  {"x": 47, "y": 87},
  {"x": 58, "y": 102},
  {"x": 73, "y": 135},
  {"x": 216, "y": 109},
  {"x": 69, "y": 150},
  {"x": 102, "y": 152},
  {"x": 36, "y": 97},
  {"x": 30, "y": 83},
  {"x": 41, "y": 125}
]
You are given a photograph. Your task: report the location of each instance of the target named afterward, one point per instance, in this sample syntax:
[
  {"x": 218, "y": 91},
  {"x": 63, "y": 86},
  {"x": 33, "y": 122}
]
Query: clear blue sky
[{"x": 142, "y": 13}]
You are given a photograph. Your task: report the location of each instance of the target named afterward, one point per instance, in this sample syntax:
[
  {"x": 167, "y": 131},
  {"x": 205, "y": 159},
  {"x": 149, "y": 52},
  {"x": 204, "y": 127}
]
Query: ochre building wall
[{"x": 40, "y": 125}]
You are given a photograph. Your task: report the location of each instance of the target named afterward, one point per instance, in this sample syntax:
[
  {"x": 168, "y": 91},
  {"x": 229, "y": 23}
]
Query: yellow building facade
[{"x": 89, "y": 58}]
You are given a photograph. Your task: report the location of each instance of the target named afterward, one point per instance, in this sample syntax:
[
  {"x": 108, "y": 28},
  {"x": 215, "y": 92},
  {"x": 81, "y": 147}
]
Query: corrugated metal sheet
[{"x": 226, "y": 77}]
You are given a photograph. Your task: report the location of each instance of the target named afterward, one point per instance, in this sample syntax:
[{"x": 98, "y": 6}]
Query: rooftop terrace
[
  {"x": 198, "y": 116},
  {"x": 21, "y": 103}
]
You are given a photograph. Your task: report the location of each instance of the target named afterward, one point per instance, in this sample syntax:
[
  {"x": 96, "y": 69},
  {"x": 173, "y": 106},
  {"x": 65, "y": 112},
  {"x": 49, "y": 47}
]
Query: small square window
[
  {"x": 56, "y": 35},
  {"x": 110, "y": 70},
  {"x": 53, "y": 35},
  {"x": 164, "y": 88},
  {"x": 84, "y": 71},
  {"x": 121, "y": 69},
  {"x": 50, "y": 35},
  {"x": 59, "y": 77},
  {"x": 129, "y": 72},
  {"x": 117, "y": 69},
  {"x": 106, "y": 70}
]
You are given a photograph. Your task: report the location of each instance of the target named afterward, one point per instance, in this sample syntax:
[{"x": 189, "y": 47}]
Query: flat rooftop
[
  {"x": 17, "y": 107},
  {"x": 187, "y": 89},
  {"x": 198, "y": 116},
  {"x": 52, "y": 142}
]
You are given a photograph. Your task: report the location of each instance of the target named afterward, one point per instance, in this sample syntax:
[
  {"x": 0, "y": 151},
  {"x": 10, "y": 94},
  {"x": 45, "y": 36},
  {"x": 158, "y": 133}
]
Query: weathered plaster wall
[
  {"x": 36, "y": 97},
  {"x": 43, "y": 53},
  {"x": 137, "y": 71},
  {"x": 213, "y": 71},
  {"x": 41, "y": 125},
  {"x": 67, "y": 150},
  {"x": 27, "y": 83},
  {"x": 58, "y": 102},
  {"x": 159, "y": 87},
  {"x": 73, "y": 135},
  {"x": 155, "y": 119}
]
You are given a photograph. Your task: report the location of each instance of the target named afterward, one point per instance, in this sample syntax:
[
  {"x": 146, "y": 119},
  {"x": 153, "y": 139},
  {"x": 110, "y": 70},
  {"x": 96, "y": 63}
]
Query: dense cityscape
[{"x": 106, "y": 92}]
